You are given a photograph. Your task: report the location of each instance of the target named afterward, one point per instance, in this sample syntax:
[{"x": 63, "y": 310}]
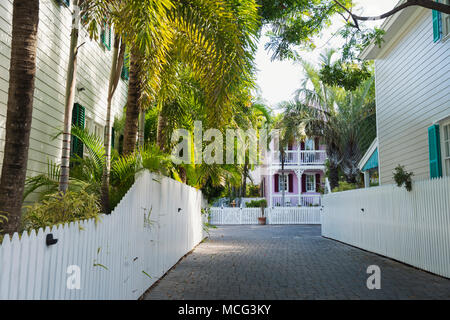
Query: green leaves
[{"x": 60, "y": 208}]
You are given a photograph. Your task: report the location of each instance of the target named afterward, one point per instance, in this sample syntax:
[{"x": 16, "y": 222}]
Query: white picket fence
[
  {"x": 412, "y": 227},
  {"x": 158, "y": 221},
  {"x": 276, "y": 215}
]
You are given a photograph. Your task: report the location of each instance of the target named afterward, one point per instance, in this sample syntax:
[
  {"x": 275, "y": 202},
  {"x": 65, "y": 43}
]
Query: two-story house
[
  {"x": 303, "y": 178},
  {"x": 412, "y": 84},
  {"x": 94, "y": 65}
]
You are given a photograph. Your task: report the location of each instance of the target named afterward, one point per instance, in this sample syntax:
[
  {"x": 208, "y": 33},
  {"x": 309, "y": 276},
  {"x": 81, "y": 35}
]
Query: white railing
[
  {"x": 280, "y": 215},
  {"x": 158, "y": 221},
  {"x": 234, "y": 215},
  {"x": 303, "y": 215},
  {"x": 296, "y": 201},
  {"x": 297, "y": 157},
  {"x": 412, "y": 227}
]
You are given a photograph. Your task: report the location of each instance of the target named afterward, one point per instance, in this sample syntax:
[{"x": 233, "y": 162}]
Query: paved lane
[{"x": 289, "y": 262}]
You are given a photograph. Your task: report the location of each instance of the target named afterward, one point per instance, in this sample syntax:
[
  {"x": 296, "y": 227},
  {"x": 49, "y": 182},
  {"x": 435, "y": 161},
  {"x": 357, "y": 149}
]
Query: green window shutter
[
  {"x": 434, "y": 146},
  {"x": 437, "y": 25},
  {"x": 126, "y": 68},
  {"x": 65, "y": 2},
  {"x": 78, "y": 119},
  {"x": 113, "y": 135},
  {"x": 105, "y": 36}
]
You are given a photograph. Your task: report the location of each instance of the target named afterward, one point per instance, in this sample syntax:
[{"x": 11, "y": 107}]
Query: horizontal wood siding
[
  {"x": 94, "y": 63},
  {"x": 413, "y": 91}
]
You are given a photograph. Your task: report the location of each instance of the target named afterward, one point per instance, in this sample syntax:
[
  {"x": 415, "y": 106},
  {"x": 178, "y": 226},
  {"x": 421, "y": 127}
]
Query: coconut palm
[
  {"x": 90, "y": 13},
  {"x": 213, "y": 39},
  {"x": 22, "y": 74}
]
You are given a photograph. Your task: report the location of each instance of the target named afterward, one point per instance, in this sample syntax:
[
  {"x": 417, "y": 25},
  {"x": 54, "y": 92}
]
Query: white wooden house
[
  {"x": 412, "y": 72},
  {"x": 94, "y": 64}
]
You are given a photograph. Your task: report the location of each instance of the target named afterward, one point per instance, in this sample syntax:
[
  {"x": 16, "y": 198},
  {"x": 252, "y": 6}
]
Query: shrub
[
  {"x": 57, "y": 209},
  {"x": 257, "y": 203},
  {"x": 401, "y": 176},
  {"x": 253, "y": 190},
  {"x": 344, "y": 186}
]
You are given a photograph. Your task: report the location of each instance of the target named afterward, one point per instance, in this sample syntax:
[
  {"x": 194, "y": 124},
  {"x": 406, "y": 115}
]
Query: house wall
[
  {"x": 412, "y": 91},
  {"x": 295, "y": 183},
  {"x": 94, "y": 63}
]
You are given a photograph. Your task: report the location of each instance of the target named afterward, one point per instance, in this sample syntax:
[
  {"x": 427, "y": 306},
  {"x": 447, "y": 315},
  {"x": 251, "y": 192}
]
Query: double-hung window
[
  {"x": 283, "y": 183},
  {"x": 441, "y": 23},
  {"x": 446, "y": 21},
  {"x": 310, "y": 183}
]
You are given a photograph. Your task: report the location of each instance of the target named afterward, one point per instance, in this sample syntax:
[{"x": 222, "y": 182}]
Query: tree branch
[{"x": 444, "y": 8}]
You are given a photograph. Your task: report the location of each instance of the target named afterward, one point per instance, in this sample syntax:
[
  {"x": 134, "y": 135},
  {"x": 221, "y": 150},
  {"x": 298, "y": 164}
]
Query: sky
[{"x": 278, "y": 80}]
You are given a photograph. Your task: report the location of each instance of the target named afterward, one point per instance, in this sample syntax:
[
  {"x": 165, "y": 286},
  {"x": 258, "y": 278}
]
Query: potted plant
[{"x": 263, "y": 205}]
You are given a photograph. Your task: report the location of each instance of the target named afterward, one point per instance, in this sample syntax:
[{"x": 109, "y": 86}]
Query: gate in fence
[{"x": 276, "y": 215}]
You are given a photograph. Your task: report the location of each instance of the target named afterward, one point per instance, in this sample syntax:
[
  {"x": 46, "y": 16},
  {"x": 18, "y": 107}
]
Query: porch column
[
  {"x": 299, "y": 174},
  {"x": 270, "y": 188}
]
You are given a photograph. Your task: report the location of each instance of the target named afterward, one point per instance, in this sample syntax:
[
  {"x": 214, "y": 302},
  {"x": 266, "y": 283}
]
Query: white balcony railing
[
  {"x": 308, "y": 200},
  {"x": 294, "y": 157}
]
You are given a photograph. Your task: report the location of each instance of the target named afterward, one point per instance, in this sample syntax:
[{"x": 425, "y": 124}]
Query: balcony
[
  {"x": 304, "y": 200},
  {"x": 300, "y": 158}
]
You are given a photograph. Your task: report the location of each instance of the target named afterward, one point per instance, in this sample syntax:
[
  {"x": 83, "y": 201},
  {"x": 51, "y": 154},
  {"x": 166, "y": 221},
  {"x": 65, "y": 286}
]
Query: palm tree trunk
[
  {"x": 161, "y": 138},
  {"x": 22, "y": 74},
  {"x": 133, "y": 106},
  {"x": 244, "y": 182},
  {"x": 141, "y": 128},
  {"x": 334, "y": 176},
  {"x": 116, "y": 68},
  {"x": 70, "y": 96}
]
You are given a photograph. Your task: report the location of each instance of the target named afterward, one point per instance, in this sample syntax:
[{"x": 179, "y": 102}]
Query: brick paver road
[{"x": 289, "y": 262}]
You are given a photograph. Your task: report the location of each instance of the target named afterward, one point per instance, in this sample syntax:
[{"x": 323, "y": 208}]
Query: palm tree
[
  {"x": 336, "y": 115},
  {"x": 93, "y": 12},
  {"x": 213, "y": 39},
  {"x": 355, "y": 107},
  {"x": 22, "y": 74}
]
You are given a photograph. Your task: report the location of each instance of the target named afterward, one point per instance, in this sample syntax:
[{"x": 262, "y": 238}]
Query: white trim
[
  {"x": 394, "y": 27},
  {"x": 444, "y": 158}
]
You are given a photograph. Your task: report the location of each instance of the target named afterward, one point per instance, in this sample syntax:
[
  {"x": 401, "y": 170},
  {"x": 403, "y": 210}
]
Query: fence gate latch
[{"x": 49, "y": 241}]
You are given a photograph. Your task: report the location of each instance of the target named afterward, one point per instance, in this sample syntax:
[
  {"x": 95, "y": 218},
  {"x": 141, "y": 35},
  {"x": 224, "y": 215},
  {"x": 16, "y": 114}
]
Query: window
[
  {"x": 446, "y": 21},
  {"x": 446, "y": 148},
  {"x": 105, "y": 36},
  {"x": 283, "y": 183},
  {"x": 65, "y": 2},
  {"x": 310, "y": 183},
  {"x": 126, "y": 68},
  {"x": 78, "y": 119},
  {"x": 309, "y": 144},
  {"x": 441, "y": 23}
]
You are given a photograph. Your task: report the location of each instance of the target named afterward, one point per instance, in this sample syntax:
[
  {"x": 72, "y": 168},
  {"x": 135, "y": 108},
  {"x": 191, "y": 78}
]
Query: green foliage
[
  {"x": 257, "y": 204},
  {"x": 345, "y": 75},
  {"x": 344, "y": 186},
  {"x": 59, "y": 208},
  {"x": 401, "y": 176},
  {"x": 294, "y": 23},
  {"x": 253, "y": 190}
]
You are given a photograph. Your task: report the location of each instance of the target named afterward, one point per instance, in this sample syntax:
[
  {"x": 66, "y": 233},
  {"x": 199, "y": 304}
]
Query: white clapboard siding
[
  {"x": 276, "y": 215},
  {"x": 412, "y": 227},
  {"x": 120, "y": 257},
  {"x": 94, "y": 63},
  {"x": 412, "y": 92}
]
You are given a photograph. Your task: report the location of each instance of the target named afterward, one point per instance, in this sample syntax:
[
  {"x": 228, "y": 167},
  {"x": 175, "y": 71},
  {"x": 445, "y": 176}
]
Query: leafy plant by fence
[{"x": 157, "y": 222}]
